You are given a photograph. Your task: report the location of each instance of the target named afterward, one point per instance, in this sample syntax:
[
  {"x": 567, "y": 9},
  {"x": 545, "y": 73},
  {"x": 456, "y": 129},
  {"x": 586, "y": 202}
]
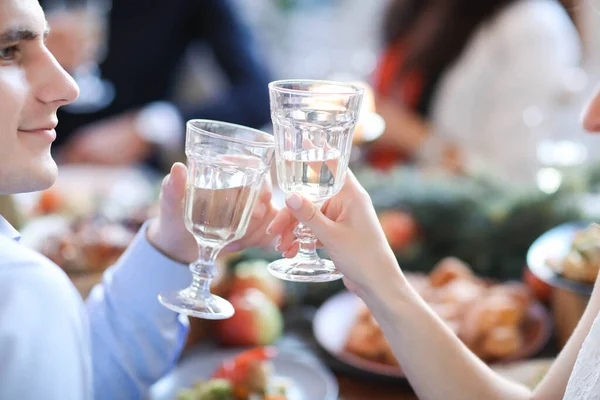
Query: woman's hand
[{"x": 348, "y": 227}]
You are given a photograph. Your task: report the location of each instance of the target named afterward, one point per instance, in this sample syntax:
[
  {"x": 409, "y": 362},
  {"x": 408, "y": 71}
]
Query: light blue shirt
[{"x": 117, "y": 344}]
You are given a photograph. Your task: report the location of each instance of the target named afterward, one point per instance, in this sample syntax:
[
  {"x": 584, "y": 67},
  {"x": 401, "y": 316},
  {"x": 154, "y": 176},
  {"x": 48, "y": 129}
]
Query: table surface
[{"x": 356, "y": 389}]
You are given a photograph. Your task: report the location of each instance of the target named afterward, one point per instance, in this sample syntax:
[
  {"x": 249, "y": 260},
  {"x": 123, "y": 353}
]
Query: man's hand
[{"x": 170, "y": 236}]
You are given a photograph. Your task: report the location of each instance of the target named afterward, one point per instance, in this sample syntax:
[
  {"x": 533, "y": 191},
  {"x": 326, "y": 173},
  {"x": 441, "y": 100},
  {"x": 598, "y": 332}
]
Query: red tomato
[
  {"x": 400, "y": 228},
  {"x": 50, "y": 201},
  {"x": 236, "y": 369}
]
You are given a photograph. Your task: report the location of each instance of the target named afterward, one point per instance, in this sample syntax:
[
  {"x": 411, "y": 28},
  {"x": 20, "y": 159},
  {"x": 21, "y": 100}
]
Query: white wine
[
  {"x": 312, "y": 146},
  {"x": 219, "y": 201},
  {"x": 317, "y": 174}
]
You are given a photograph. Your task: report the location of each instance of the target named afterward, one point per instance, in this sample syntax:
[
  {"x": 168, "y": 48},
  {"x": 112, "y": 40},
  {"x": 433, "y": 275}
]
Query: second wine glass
[
  {"x": 313, "y": 123},
  {"x": 227, "y": 165}
]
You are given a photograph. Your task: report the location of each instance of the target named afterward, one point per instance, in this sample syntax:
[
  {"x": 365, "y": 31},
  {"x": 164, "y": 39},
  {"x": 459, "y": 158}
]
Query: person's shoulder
[
  {"x": 534, "y": 18},
  {"x": 13, "y": 253},
  {"x": 43, "y": 328},
  {"x": 25, "y": 271},
  {"x": 17, "y": 259}
]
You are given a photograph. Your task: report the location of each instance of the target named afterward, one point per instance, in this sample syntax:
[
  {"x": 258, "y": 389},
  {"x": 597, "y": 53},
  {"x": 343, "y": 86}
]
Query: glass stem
[
  {"x": 203, "y": 272},
  {"x": 307, "y": 249}
]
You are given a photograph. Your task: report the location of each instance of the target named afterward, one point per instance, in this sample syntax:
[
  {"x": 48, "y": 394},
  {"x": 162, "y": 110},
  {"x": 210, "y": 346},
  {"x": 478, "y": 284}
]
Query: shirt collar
[{"x": 7, "y": 230}]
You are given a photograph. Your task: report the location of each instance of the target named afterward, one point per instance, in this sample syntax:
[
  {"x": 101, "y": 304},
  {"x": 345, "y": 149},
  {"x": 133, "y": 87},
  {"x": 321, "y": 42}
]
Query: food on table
[
  {"x": 248, "y": 376},
  {"x": 136, "y": 218},
  {"x": 214, "y": 389},
  {"x": 399, "y": 227},
  {"x": 487, "y": 317},
  {"x": 254, "y": 274},
  {"x": 50, "y": 201},
  {"x": 89, "y": 244},
  {"x": 502, "y": 341},
  {"x": 449, "y": 269},
  {"x": 257, "y": 320},
  {"x": 582, "y": 262}
]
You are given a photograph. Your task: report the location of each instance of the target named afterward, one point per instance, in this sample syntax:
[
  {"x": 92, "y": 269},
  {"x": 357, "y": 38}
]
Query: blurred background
[{"x": 469, "y": 143}]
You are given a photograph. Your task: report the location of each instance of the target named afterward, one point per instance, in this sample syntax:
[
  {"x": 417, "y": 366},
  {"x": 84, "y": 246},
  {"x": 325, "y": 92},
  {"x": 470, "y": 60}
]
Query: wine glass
[
  {"x": 84, "y": 24},
  {"x": 313, "y": 122},
  {"x": 227, "y": 165}
]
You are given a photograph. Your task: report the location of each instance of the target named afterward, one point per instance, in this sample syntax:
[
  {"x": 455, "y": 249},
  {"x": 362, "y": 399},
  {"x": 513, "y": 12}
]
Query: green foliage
[{"x": 488, "y": 225}]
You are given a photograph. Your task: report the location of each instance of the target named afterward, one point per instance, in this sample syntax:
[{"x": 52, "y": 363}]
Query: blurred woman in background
[{"x": 456, "y": 76}]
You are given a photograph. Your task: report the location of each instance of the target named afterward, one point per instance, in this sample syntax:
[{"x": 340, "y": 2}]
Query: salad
[{"x": 248, "y": 376}]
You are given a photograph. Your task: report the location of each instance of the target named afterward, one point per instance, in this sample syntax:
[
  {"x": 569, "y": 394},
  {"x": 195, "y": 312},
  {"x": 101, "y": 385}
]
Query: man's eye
[{"x": 9, "y": 53}]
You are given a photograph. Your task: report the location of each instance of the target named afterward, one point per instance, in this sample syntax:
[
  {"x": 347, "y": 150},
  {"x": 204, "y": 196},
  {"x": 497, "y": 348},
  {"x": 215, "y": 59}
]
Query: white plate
[
  {"x": 556, "y": 244},
  {"x": 333, "y": 321},
  {"x": 35, "y": 232},
  {"x": 331, "y": 327},
  {"x": 311, "y": 380}
]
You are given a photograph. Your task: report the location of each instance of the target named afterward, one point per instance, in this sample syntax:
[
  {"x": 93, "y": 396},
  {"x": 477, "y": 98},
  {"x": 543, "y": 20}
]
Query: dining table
[{"x": 352, "y": 388}]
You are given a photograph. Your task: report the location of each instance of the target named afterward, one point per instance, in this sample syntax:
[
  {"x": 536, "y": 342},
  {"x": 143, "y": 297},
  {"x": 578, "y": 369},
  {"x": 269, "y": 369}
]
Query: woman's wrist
[
  {"x": 389, "y": 283},
  {"x": 393, "y": 301}
]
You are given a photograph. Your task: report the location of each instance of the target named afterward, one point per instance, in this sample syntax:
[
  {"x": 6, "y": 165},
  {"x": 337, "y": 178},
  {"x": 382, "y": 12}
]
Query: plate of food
[
  {"x": 498, "y": 322},
  {"x": 567, "y": 257},
  {"x": 260, "y": 373},
  {"x": 79, "y": 244}
]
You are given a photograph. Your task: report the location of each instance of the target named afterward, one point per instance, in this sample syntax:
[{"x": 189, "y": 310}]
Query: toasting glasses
[
  {"x": 313, "y": 124},
  {"x": 227, "y": 165}
]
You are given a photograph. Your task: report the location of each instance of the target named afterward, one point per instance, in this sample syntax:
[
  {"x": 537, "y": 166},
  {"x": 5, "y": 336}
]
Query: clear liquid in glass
[
  {"x": 314, "y": 173},
  {"x": 219, "y": 200},
  {"x": 313, "y": 151}
]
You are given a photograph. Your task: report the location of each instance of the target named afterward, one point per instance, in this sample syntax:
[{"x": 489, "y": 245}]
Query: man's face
[{"x": 32, "y": 87}]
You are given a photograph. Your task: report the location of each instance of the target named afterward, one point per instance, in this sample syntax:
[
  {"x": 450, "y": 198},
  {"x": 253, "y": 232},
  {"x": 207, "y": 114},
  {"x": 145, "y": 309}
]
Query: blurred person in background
[
  {"x": 122, "y": 340},
  {"x": 456, "y": 76},
  {"x": 147, "y": 41}
]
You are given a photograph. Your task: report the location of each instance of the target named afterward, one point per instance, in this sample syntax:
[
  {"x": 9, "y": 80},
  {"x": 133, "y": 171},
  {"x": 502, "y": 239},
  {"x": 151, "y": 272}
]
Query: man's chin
[
  {"x": 39, "y": 177},
  {"x": 45, "y": 176}
]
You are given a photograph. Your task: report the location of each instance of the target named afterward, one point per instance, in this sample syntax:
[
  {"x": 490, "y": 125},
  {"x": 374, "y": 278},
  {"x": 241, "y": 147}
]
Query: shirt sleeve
[{"x": 134, "y": 339}]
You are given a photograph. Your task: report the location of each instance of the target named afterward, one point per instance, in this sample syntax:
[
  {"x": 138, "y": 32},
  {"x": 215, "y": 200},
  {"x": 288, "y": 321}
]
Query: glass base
[
  {"x": 213, "y": 307},
  {"x": 298, "y": 270}
]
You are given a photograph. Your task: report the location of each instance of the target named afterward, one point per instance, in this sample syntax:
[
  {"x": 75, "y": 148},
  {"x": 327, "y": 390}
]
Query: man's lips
[{"x": 48, "y": 132}]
